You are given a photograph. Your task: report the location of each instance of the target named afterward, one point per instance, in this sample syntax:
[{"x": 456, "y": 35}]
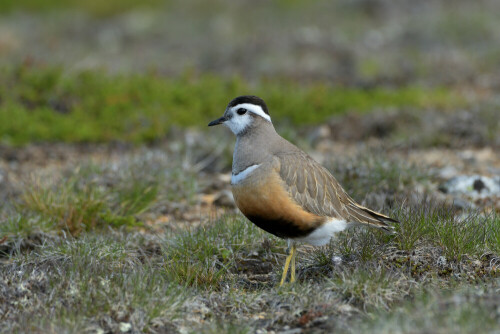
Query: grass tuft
[
  {"x": 371, "y": 288},
  {"x": 203, "y": 257},
  {"x": 459, "y": 238},
  {"x": 376, "y": 174},
  {"x": 81, "y": 202},
  {"x": 64, "y": 284},
  {"x": 464, "y": 310}
]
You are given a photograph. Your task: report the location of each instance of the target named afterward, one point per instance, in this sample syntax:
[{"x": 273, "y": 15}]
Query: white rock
[
  {"x": 125, "y": 327},
  {"x": 474, "y": 186},
  {"x": 337, "y": 260}
]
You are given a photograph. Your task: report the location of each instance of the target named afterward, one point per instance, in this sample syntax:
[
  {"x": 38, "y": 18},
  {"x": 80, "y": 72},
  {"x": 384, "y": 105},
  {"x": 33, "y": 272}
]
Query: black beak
[{"x": 218, "y": 121}]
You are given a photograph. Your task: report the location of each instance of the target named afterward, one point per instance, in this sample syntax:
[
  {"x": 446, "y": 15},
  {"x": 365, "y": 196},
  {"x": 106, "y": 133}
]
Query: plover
[{"x": 281, "y": 189}]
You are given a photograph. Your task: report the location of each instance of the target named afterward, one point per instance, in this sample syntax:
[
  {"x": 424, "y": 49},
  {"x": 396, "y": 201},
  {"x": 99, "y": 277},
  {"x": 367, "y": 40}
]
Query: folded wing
[{"x": 315, "y": 189}]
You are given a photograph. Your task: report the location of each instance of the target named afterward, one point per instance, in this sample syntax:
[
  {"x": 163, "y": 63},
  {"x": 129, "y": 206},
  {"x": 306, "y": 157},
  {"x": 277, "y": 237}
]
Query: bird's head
[{"x": 242, "y": 113}]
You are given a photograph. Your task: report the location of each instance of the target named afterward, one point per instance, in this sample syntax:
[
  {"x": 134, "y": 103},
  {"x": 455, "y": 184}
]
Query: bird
[{"x": 282, "y": 189}]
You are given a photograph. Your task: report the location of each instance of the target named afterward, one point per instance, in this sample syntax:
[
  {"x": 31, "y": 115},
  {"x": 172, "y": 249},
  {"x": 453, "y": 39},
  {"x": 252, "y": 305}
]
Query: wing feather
[{"x": 315, "y": 189}]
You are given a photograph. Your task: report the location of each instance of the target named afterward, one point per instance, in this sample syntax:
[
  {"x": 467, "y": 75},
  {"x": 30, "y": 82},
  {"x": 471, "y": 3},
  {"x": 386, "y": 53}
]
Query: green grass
[
  {"x": 471, "y": 235},
  {"x": 40, "y": 104},
  {"x": 23, "y": 225},
  {"x": 434, "y": 230},
  {"x": 204, "y": 257},
  {"x": 118, "y": 278},
  {"x": 94, "y": 196},
  {"x": 464, "y": 310},
  {"x": 95, "y": 277},
  {"x": 375, "y": 173},
  {"x": 95, "y": 7},
  {"x": 76, "y": 206},
  {"x": 371, "y": 288}
]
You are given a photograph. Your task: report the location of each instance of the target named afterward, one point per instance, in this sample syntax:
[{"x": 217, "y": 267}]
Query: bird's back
[{"x": 289, "y": 194}]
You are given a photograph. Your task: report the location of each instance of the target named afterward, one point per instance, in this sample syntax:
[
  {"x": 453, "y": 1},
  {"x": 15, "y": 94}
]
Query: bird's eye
[{"x": 241, "y": 111}]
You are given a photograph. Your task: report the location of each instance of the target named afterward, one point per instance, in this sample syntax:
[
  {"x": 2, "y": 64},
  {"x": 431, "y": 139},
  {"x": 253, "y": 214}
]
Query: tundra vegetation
[{"x": 115, "y": 214}]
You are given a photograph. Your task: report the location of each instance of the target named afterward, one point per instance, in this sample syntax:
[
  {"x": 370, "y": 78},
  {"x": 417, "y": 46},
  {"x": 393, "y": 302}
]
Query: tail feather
[{"x": 369, "y": 217}]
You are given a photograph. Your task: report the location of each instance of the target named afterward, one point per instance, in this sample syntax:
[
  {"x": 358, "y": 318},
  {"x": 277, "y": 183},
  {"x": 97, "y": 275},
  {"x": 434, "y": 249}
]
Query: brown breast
[{"x": 262, "y": 198}]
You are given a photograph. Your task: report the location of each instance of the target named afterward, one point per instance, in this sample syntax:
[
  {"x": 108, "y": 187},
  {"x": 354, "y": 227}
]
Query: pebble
[
  {"x": 337, "y": 260},
  {"x": 474, "y": 186},
  {"x": 441, "y": 261},
  {"x": 448, "y": 172},
  {"x": 291, "y": 331},
  {"x": 125, "y": 327}
]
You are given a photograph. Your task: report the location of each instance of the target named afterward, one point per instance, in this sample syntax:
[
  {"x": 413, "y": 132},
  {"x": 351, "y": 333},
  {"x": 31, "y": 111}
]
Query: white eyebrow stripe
[
  {"x": 254, "y": 109},
  {"x": 237, "y": 178}
]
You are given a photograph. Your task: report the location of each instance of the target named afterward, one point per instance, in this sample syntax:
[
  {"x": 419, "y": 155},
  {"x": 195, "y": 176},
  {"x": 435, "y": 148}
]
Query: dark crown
[{"x": 249, "y": 99}]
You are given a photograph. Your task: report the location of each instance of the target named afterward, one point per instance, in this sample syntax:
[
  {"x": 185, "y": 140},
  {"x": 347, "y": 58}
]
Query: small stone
[
  {"x": 291, "y": 331},
  {"x": 94, "y": 329},
  {"x": 448, "y": 172},
  {"x": 337, "y": 260},
  {"x": 441, "y": 261},
  {"x": 473, "y": 186},
  {"x": 125, "y": 327},
  {"x": 478, "y": 185},
  {"x": 346, "y": 308},
  {"x": 462, "y": 204}
]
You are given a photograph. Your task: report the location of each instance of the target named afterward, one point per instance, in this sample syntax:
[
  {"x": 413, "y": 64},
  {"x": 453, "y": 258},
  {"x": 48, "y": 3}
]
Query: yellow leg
[
  {"x": 289, "y": 259},
  {"x": 285, "y": 270},
  {"x": 294, "y": 253}
]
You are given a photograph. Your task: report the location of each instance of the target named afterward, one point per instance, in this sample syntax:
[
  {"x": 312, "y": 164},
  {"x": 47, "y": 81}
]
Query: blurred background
[
  {"x": 358, "y": 43},
  {"x": 143, "y": 66}
]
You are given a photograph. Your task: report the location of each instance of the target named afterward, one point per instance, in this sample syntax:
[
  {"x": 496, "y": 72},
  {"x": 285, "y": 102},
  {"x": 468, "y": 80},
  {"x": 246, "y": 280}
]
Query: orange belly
[{"x": 265, "y": 202}]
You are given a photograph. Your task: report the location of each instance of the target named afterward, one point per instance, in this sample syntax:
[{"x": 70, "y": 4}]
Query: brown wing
[{"x": 315, "y": 189}]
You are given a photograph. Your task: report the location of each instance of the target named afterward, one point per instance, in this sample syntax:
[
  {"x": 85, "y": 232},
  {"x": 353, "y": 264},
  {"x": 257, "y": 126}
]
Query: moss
[
  {"x": 45, "y": 104},
  {"x": 94, "y": 7}
]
